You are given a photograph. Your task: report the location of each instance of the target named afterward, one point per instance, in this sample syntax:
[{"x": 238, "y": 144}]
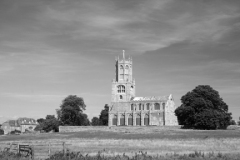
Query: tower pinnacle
[{"x": 124, "y": 54}]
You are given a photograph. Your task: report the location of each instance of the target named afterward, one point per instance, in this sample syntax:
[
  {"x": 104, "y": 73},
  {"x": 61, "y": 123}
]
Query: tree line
[
  {"x": 71, "y": 113},
  {"x": 201, "y": 108}
]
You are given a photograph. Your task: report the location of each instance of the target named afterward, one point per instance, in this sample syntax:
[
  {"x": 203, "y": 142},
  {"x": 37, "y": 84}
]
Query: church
[{"x": 128, "y": 110}]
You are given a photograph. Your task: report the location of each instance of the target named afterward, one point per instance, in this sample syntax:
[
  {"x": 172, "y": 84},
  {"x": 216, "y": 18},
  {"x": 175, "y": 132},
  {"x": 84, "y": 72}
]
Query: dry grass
[
  {"x": 153, "y": 140},
  {"x": 161, "y": 146}
]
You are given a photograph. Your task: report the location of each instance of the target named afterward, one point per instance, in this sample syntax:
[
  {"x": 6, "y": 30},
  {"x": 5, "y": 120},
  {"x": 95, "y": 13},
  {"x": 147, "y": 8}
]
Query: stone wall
[
  {"x": 81, "y": 128},
  {"x": 117, "y": 129}
]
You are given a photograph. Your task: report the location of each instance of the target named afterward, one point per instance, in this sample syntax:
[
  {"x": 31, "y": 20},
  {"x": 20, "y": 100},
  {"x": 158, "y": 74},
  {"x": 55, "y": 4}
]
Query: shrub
[
  {"x": 48, "y": 124},
  {"x": 38, "y": 128},
  {"x": 15, "y": 132},
  {"x": 95, "y": 121},
  {"x": 1, "y": 131}
]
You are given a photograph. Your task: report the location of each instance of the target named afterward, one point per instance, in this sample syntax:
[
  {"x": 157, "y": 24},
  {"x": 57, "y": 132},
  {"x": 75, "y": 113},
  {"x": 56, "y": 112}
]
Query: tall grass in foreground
[
  {"x": 138, "y": 156},
  {"x": 4, "y": 155},
  {"x": 144, "y": 156}
]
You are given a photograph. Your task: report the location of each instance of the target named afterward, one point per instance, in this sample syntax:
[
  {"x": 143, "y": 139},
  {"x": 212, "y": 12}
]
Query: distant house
[
  {"x": 21, "y": 124},
  {"x": 27, "y": 124},
  {"x": 10, "y": 125}
]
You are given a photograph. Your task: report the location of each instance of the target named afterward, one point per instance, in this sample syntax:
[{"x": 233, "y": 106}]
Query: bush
[
  {"x": 48, "y": 124},
  {"x": 1, "y": 131},
  {"x": 38, "y": 128},
  {"x": 95, "y": 121},
  {"x": 15, "y": 132},
  {"x": 233, "y": 122}
]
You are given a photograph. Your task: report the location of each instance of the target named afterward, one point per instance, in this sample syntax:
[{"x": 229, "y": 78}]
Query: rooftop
[{"x": 152, "y": 98}]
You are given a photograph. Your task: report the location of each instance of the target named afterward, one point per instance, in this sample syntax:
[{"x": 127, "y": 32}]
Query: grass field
[{"x": 153, "y": 140}]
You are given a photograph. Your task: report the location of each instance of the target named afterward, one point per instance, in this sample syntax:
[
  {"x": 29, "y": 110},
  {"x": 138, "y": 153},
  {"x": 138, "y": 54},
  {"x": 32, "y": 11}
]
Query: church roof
[{"x": 153, "y": 98}]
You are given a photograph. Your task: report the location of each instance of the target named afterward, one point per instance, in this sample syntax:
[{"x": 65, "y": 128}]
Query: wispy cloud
[{"x": 49, "y": 49}]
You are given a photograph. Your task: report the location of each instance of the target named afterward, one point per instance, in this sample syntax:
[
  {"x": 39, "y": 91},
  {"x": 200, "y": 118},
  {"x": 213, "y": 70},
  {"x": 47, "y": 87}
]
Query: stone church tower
[
  {"x": 128, "y": 110},
  {"x": 123, "y": 86}
]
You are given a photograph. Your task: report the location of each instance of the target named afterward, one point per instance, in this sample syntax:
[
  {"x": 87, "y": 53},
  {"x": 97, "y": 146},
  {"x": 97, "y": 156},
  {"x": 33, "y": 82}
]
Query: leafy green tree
[
  {"x": 50, "y": 117},
  {"x": 49, "y": 124},
  {"x": 83, "y": 120},
  {"x": 95, "y": 121},
  {"x": 238, "y": 123},
  {"x": 38, "y": 127},
  {"x": 71, "y": 111},
  {"x": 40, "y": 120},
  {"x": 103, "y": 118},
  {"x": 233, "y": 122},
  {"x": 203, "y": 108},
  {"x": 1, "y": 131}
]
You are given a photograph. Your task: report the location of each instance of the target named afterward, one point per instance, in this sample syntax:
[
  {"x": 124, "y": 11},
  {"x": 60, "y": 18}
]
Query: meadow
[{"x": 154, "y": 141}]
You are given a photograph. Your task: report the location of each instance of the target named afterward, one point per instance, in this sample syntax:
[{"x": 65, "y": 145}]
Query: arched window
[
  {"x": 122, "y": 120},
  {"x": 157, "y": 106},
  {"x": 163, "y": 105},
  {"x": 140, "y": 107},
  {"x": 148, "y": 106},
  {"x": 126, "y": 69},
  {"x": 138, "y": 120},
  {"x": 121, "y": 89},
  {"x": 146, "y": 120},
  {"x": 130, "y": 120},
  {"x": 132, "y": 107},
  {"x": 121, "y": 97},
  {"x": 114, "y": 120},
  {"x": 121, "y": 71}
]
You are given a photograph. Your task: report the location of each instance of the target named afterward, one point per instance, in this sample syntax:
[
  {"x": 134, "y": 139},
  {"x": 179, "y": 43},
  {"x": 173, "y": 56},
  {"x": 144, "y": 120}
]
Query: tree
[
  {"x": 48, "y": 124},
  {"x": 71, "y": 111},
  {"x": 50, "y": 117},
  {"x": 83, "y": 120},
  {"x": 38, "y": 127},
  {"x": 95, "y": 121},
  {"x": 233, "y": 122},
  {"x": 203, "y": 108},
  {"x": 40, "y": 120},
  {"x": 1, "y": 131},
  {"x": 103, "y": 118},
  {"x": 238, "y": 123}
]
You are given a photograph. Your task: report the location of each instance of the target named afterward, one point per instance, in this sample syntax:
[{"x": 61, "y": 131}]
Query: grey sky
[{"x": 51, "y": 49}]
